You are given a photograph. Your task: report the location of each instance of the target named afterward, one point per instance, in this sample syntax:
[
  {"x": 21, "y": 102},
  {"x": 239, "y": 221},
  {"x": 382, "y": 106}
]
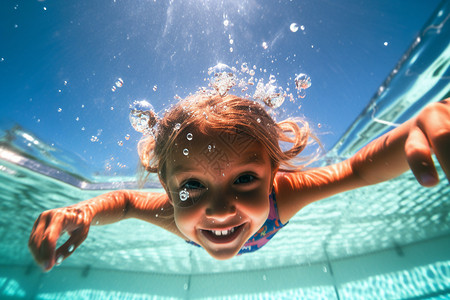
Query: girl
[{"x": 229, "y": 185}]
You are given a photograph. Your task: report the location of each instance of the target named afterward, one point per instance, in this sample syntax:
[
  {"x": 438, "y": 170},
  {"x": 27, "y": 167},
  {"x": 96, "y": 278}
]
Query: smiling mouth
[{"x": 222, "y": 236}]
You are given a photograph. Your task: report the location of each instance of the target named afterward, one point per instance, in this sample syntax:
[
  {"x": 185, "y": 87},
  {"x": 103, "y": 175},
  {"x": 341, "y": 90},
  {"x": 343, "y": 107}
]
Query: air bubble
[
  {"x": 127, "y": 137},
  {"x": 71, "y": 247},
  {"x": 142, "y": 117},
  {"x": 258, "y": 120},
  {"x": 177, "y": 126},
  {"x": 119, "y": 82},
  {"x": 189, "y": 136},
  {"x": 293, "y": 27},
  {"x": 59, "y": 260},
  {"x": 59, "y": 109},
  {"x": 184, "y": 195},
  {"x": 244, "y": 68},
  {"x": 264, "y": 45},
  {"x": 302, "y": 82},
  {"x": 155, "y": 87},
  {"x": 186, "y": 151},
  {"x": 120, "y": 143},
  {"x": 226, "y": 23},
  {"x": 272, "y": 79}
]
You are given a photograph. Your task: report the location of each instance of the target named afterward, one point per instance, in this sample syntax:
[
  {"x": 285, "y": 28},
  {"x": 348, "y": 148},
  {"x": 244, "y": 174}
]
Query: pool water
[{"x": 387, "y": 241}]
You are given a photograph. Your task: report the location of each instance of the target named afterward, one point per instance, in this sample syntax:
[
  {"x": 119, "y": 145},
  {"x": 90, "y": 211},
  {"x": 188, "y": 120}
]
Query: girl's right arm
[{"x": 104, "y": 209}]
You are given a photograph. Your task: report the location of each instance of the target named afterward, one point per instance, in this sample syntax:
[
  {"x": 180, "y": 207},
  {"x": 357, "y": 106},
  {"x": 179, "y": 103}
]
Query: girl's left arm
[{"x": 408, "y": 146}]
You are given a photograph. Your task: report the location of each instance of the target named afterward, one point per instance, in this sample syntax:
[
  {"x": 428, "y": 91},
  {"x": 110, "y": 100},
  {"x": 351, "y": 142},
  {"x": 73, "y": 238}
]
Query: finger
[
  {"x": 48, "y": 245},
  {"x": 439, "y": 137},
  {"x": 37, "y": 236},
  {"x": 36, "y": 223},
  {"x": 418, "y": 155},
  {"x": 442, "y": 152},
  {"x": 70, "y": 245}
]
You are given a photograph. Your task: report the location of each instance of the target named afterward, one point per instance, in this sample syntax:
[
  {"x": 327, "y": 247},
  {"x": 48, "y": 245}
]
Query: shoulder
[{"x": 289, "y": 202}]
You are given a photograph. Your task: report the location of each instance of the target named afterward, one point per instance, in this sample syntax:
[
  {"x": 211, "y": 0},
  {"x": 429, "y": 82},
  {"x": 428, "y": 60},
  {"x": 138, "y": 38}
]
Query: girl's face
[{"x": 219, "y": 187}]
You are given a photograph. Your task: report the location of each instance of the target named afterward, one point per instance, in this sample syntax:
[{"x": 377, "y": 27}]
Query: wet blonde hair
[{"x": 209, "y": 114}]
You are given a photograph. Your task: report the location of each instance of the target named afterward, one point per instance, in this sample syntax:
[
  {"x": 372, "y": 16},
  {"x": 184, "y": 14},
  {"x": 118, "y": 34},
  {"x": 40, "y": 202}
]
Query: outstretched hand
[
  {"x": 48, "y": 228},
  {"x": 429, "y": 133}
]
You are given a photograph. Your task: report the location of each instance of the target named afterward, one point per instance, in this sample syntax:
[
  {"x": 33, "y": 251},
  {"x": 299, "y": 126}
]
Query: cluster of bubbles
[
  {"x": 118, "y": 84},
  {"x": 109, "y": 165},
  {"x": 272, "y": 95},
  {"x": 222, "y": 79},
  {"x": 294, "y": 27},
  {"x": 269, "y": 93},
  {"x": 189, "y": 137},
  {"x": 95, "y": 138}
]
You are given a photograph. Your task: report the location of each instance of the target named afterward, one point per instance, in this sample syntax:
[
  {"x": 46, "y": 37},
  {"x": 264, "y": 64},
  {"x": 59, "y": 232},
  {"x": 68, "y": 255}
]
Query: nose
[{"x": 220, "y": 209}]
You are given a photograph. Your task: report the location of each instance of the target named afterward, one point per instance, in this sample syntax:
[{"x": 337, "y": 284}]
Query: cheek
[
  {"x": 186, "y": 219},
  {"x": 255, "y": 204}
]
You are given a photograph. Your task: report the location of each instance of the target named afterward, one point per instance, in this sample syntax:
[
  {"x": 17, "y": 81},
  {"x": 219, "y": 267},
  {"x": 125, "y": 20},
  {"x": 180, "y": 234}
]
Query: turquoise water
[{"x": 388, "y": 241}]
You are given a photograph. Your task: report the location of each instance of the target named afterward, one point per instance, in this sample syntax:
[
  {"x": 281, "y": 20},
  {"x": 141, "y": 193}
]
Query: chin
[{"x": 223, "y": 256}]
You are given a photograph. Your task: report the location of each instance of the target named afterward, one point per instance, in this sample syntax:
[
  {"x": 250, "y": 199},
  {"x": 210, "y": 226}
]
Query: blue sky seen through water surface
[{"x": 59, "y": 62}]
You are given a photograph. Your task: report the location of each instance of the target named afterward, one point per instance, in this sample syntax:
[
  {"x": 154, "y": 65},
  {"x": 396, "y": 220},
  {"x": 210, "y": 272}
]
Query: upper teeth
[{"x": 222, "y": 232}]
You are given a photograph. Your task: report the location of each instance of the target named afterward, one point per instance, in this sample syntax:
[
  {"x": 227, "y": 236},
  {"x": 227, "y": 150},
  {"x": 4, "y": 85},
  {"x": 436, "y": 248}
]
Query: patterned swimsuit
[{"x": 265, "y": 233}]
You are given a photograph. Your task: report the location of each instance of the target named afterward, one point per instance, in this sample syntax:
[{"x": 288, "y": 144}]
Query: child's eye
[
  {"x": 192, "y": 185},
  {"x": 245, "y": 179}
]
